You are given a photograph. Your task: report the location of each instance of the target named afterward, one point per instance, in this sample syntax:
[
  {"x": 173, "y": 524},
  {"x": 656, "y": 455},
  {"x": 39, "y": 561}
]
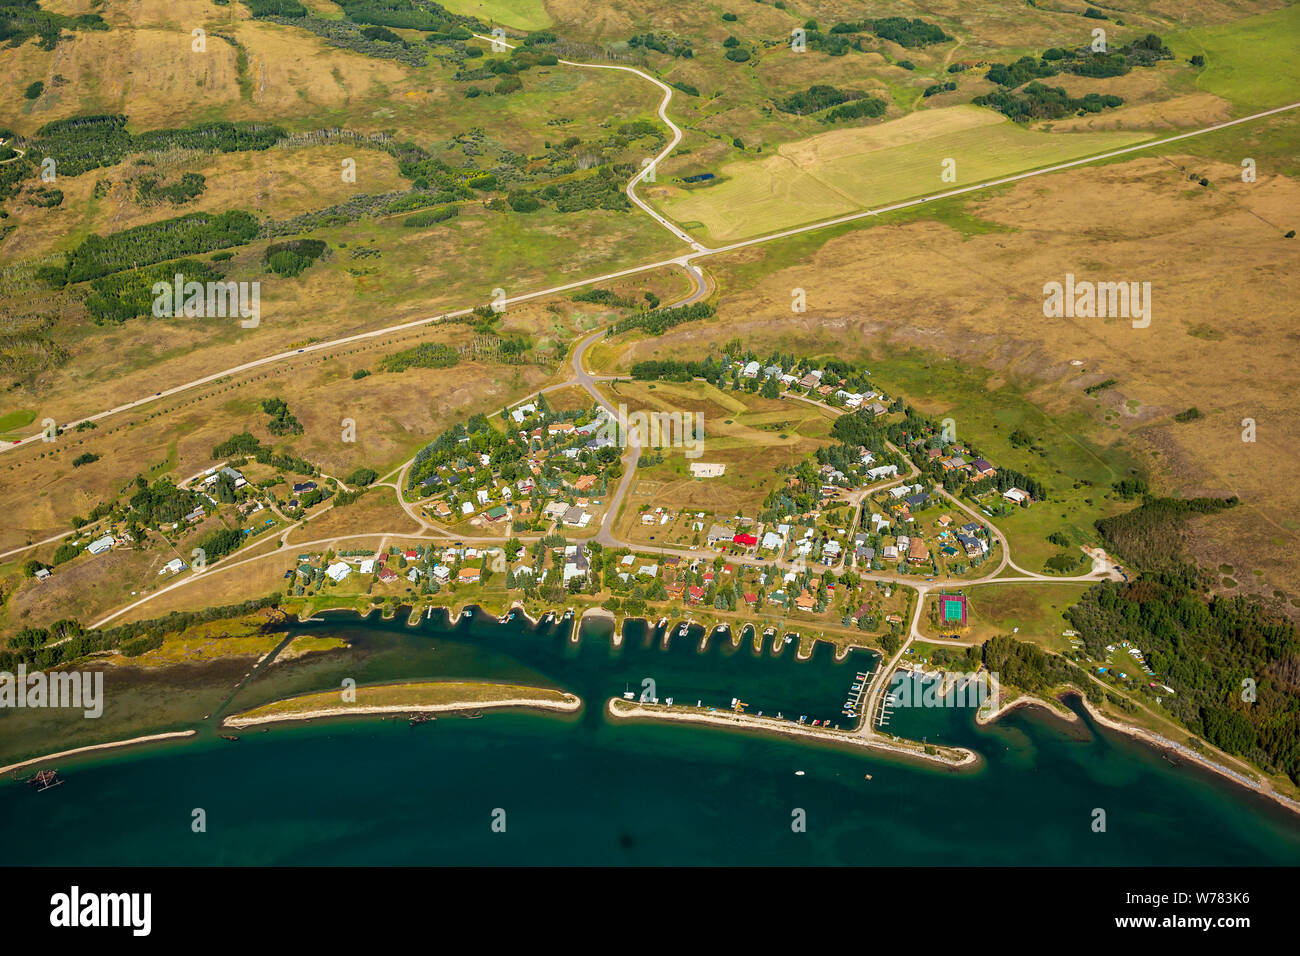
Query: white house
[{"x": 338, "y": 571}]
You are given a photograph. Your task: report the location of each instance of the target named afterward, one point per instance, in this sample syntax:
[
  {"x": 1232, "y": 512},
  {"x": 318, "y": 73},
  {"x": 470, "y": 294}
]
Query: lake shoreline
[
  {"x": 571, "y": 704},
  {"x": 625, "y": 710},
  {"x": 1164, "y": 745},
  {"x": 111, "y": 745}
]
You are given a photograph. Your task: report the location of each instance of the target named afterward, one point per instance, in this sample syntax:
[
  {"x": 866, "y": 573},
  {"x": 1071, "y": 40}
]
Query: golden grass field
[
  {"x": 754, "y": 437},
  {"x": 846, "y": 170}
]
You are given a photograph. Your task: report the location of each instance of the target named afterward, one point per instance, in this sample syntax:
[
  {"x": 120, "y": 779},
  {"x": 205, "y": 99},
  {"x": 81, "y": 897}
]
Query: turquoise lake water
[{"x": 577, "y": 789}]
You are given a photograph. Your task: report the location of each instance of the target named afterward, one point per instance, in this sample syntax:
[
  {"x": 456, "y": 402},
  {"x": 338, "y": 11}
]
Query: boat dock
[{"x": 857, "y": 691}]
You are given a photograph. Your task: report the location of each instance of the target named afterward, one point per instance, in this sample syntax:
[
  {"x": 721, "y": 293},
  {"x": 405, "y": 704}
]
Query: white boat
[{"x": 798, "y": 773}]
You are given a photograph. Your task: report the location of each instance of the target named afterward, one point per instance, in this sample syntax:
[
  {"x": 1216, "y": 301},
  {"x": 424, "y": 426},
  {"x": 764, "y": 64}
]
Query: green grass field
[
  {"x": 14, "y": 420},
  {"x": 847, "y": 170},
  {"x": 1251, "y": 62},
  {"x": 1035, "y": 608},
  {"x": 521, "y": 14}
]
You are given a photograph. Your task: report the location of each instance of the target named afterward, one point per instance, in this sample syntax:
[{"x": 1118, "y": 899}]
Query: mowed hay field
[
  {"x": 1251, "y": 62},
  {"x": 519, "y": 14},
  {"x": 968, "y": 289},
  {"x": 847, "y": 170}
]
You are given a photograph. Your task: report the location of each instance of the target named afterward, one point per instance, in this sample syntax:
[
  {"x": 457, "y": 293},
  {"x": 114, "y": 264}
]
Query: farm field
[
  {"x": 518, "y": 14},
  {"x": 1234, "y": 54},
  {"x": 849, "y": 170}
]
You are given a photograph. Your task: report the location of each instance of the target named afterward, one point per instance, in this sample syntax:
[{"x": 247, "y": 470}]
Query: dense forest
[
  {"x": 1234, "y": 668},
  {"x": 1151, "y": 535}
]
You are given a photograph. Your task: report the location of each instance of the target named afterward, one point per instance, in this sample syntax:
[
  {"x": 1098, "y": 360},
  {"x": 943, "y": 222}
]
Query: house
[
  {"x": 983, "y": 469},
  {"x": 43, "y": 573},
  {"x": 918, "y": 500},
  {"x": 751, "y": 599},
  {"x": 576, "y": 517},
  {"x": 523, "y": 412},
  {"x": 889, "y": 553},
  {"x": 705, "y": 470},
  {"x": 944, "y": 520},
  {"x": 696, "y": 594},
  {"x": 746, "y": 540},
  {"x": 953, "y": 463},
  {"x": 882, "y": 471},
  {"x": 556, "y": 509},
  {"x": 877, "y": 409},
  {"x": 337, "y": 571},
  {"x": 441, "y": 573},
  {"x": 805, "y": 601},
  {"x": 577, "y": 564},
  {"x": 467, "y": 508},
  {"x": 719, "y": 533},
  {"x": 772, "y": 371},
  {"x": 387, "y": 574},
  {"x": 497, "y": 513},
  {"x": 413, "y": 575},
  {"x": 974, "y": 546},
  {"x": 811, "y": 380},
  {"x": 100, "y": 545},
  {"x": 1015, "y": 496},
  {"x": 916, "y": 552},
  {"x": 559, "y": 428},
  {"x": 482, "y": 496},
  {"x": 772, "y": 541},
  {"x": 299, "y": 487},
  {"x": 368, "y": 566},
  {"x": 584, "y": 483},
  {"x": 751, "y": 370},
  {"x": 442, "y": 509},
  {"x": 466, "y": 576},
  {"x": 174, "y": 566}
]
